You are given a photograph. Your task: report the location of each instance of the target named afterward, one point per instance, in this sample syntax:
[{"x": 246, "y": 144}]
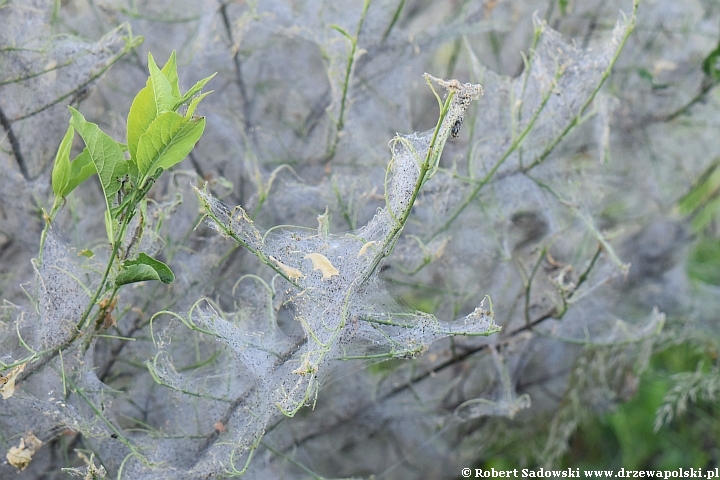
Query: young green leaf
[
  {"x": 136, "y": 273},
  {"x": 142, "y": 112},
  {"x": 194, "y": 103},
  {"x": 343, "y": 32},
  {"x": 66, "y": 174},
  {"x": 111, "y": 226},
  {"x": 170, "y": 72},
  {"x": 162, "y": 89},
  {"x": 709, "y": 212},
  {"x": 193, "y": 91},
  {"x": 61, "y": 169},
  {"x": 711, "y": 65},
  {"x": 105, "y": 153},
  {"x": 704, "y": 262},
  {"x": 81, "y": 169},
  {"x": 168, "y": 141},
  {"x": 703, "y": 199},
  {"x": 155, "y": 98},
  {"x": 143, "y": 269},
  {"x": 563, "y": 6}
]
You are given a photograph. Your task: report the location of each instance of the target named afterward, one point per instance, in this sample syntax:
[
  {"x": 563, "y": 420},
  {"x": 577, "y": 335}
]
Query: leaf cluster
[{"x": 159, "y": 136}]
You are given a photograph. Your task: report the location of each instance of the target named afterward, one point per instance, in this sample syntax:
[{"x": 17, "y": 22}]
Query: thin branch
[{"x": 15, "y": 144}]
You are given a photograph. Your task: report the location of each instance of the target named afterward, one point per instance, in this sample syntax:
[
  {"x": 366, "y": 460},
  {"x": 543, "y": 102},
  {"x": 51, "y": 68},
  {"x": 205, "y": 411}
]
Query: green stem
[
  {"x": 431, "y": 158},
  {"x": 116, "y": 431},
  {"x": 529, "y": 284},
  {"x": 48, "y": 220},
  {"x": 704, "y": 89},
  {"x": 577, "y": 118},
  {"x": 258, "y": 253},
  {"x": 396, "y": 17},
  {"x": 127, "y": 215},
  {"x": 528, "y": 63},
  {"x": 346, "y": 84},
  {"x": 513, "y": 146}
]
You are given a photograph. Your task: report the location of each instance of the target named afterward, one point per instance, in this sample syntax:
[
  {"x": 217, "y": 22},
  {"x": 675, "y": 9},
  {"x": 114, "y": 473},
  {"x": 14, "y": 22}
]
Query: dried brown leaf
[
  {"x": 20, "y": 456},
  {"x": 292, "y": 273},
  {"x": 320, "y": 262},
  {"x": 7, "y": 388}
]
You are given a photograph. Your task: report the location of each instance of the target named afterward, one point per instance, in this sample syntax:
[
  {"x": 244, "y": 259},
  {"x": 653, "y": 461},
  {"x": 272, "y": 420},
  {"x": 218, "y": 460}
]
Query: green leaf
[
  {"x": 61, "y": 169},
  {"x": 704, "y": 188},
  {"x": 193, "y": 91},
  {"x": 105, "y": 153},
  {"x": 703, "y": 199},
  {"x": 168, "y": 141},
  {"x": 115, "y": 211},
  {"x": 67, "y": 175},
  {"x": 81, "y": 169},
  {"x": 142, "y": 112},
  {"x": 133, "y": 172},
  {"x": 645, "y": 74},
  {"x": 563, "y": 6},
  {"x": 711, "y": 65},
  {"x": 111, "y": 226},
  {"x": 136, "y": 273},
  {"x": 162, "y": 89},
  {"x": 194, "y": 103},
  {"x": 155, "y": 98},
  {"x": 143, "y": 269},
  {"x": 343, "y": 32},
  {"x": 706, "y": 214},
  {"x": 704, "y": 262},
  {"x": 170, "y": 72}
]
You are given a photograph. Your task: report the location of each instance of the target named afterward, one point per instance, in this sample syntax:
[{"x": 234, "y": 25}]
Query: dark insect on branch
[
  {"x": 122, "y": 192},
  {"x": 455, "y": 130}
]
